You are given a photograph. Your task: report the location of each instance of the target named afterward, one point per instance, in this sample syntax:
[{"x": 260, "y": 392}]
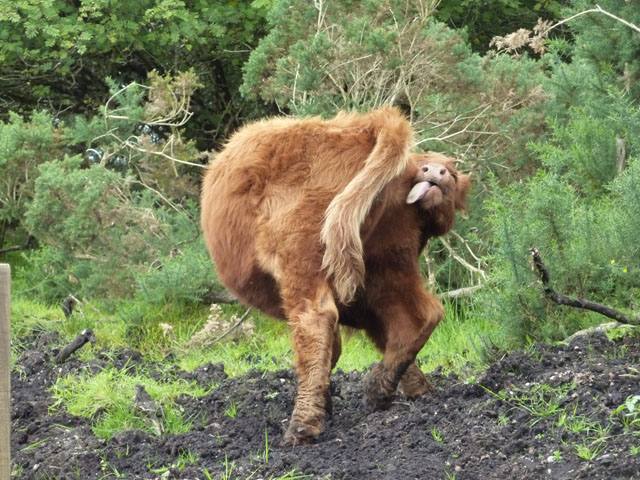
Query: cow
[{"x": 321, "y": 223}]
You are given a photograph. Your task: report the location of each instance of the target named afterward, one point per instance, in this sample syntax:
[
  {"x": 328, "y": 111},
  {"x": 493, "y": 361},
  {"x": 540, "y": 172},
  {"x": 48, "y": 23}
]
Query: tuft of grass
[
  {"x": 540, "y": 400},
  {"x": 108, "y": 398},
  {"x": 588, "y": 452},
  {"x": 437, "y": 435},
  {"x": 629, "y": 413},
  {"x": 229, "y": 467},
  {"x": 265, "y": 455},
  {"x": 185, "y": 459},
  {"x": 292, "y": 475},
  {"x": 462, "y": 341},
  {"x": 232, "y": 410},
  {"x": 268, "y": 349}
]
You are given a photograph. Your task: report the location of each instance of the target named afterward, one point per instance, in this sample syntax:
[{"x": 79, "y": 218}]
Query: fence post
[{"x": 5, "y": 369}]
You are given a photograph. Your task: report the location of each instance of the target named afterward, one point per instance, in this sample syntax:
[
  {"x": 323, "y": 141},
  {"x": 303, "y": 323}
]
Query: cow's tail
[{"x": 343, "y": 257}]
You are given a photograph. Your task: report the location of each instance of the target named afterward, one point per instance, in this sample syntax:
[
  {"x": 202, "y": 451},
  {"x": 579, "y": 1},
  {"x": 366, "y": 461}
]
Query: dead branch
[
  {"x": 582, "y": 303},
  {"x": 29, "y": 244},
  {"x": 462, "y": 292},
  {"x": 244, "y": 316},
  {"x": 602, "y": 328},
  {"x": 461, "y": 260},
  {"x": 597, "y": 9},
  {"x": 523, "y": 37},
  {"x": 84, "y": 337}
]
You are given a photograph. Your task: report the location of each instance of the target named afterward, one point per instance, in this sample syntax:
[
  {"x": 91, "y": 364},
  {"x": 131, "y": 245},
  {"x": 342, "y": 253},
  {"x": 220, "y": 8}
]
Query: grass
[
  {"x": 541, "y": 401},
  {"x": 437, "y": 435},
  {"x": 265, "y": 454},
  {"x": 232, "y": 410},
  {"x": 544, "y": 402},
  {"x": 108, "y": 398},
  {"x": 458, "y": 344}
]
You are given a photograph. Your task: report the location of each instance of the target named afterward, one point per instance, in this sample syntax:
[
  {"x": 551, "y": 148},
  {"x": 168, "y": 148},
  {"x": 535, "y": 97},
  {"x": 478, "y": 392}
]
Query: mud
[{"x": 503, "y": 425}]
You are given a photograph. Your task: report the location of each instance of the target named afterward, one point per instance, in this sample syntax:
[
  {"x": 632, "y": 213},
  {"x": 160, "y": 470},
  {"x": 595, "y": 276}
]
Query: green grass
[
  {"x": 437, "y": 435},
  {"x": 232, "y": 410},
  {"x": 460, "y": 342},
  {"x": 540, "y": 400},
  {"x": 457, "y": 344},
  {"x": 108, "y": 398}
]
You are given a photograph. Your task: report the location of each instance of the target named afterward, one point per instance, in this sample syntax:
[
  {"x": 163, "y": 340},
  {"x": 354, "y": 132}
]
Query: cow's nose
[{"x": 435, "y": 172}]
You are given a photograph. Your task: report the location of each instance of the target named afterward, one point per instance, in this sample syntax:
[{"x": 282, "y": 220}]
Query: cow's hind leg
[
  {"x": 313, "y": 318},
  {"x": 406, "y": 316}
]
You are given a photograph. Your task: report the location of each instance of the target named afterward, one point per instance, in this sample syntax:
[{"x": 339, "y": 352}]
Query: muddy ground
[{"x": 521, "y": 419}]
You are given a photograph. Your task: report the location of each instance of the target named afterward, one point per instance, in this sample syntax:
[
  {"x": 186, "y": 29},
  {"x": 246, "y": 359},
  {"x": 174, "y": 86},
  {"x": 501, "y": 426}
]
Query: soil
[{"x": 486, "y": 429}]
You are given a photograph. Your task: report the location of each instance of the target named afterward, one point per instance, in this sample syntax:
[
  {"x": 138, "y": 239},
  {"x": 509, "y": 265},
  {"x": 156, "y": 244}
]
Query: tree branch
[
  {"x": 461, "y": 292},
  {"x": 561, "y": 299},
  {"x": 16, "y": 248}
]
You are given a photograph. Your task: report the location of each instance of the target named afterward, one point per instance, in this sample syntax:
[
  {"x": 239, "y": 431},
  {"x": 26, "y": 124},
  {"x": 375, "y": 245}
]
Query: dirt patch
[{"x": 532, "y": 415}]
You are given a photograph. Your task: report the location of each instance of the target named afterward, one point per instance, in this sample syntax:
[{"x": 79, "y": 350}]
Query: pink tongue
[{"x": 418, "y": 191}]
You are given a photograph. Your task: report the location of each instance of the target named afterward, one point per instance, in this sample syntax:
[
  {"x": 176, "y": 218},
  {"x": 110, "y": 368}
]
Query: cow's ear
[{"x": 463, "y": 184}]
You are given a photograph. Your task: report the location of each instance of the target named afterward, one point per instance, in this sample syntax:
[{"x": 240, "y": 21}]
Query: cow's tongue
[{"x": 418, "y": 191}]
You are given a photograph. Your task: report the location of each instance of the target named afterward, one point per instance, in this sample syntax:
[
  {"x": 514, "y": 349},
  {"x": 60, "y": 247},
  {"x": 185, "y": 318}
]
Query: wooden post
[{"x": 5, "y": 369}]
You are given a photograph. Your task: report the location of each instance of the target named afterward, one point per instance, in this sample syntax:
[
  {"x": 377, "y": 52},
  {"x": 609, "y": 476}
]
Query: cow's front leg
[
  {"x": 414, "y": 383},
  {"x": 406, "y": 316}
]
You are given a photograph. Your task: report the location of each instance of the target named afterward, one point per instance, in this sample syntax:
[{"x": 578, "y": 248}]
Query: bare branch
[
  {"x": 582, "y": 303},
  {"x": 597, "y": 9},
  {"x": 461, "y": 260},
  {"x": 462, "y": 292}
]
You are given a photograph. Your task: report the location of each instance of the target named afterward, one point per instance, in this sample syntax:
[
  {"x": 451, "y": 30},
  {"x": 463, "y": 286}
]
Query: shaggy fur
[{"x": 322, "y": 221}]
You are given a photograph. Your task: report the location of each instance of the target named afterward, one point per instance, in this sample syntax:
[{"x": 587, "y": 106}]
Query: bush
[
  {"x": 60, "y": 53},
  {"x": 120, "y": 219},
  {"x": 24, "y": 144},
  {"x": 590, "y": 248},
  {"x": 320, "y": 58},
  {"x": 103, "y": 238}
]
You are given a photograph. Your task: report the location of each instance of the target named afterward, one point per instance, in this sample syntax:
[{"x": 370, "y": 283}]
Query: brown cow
[{"x": 321, "y": 222}]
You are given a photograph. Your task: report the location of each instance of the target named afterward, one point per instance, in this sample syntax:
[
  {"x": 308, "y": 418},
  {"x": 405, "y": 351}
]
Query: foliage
[
  {"x": 589, "y": 247},
  {"x": 24, "y": 144},
  {"x": 322, "y": 57},
  {"x": 120, "y": 218},
  {"x": 101, "y": 162},
  {"x": 579, "y": 207},
  {"x": 87, "y": 218},
  {"x": 482, "y": 19},
  {"x": 58, "y": 54}
]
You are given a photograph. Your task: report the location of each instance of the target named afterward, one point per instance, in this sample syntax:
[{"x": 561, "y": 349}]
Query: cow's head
[{"x": 437, "y": 183}]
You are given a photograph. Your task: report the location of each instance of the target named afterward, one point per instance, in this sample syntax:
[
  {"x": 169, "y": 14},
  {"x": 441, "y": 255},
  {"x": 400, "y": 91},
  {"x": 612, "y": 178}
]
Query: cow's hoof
[
  {"x": 414, "y": 383},
  {"x": 376, "y": 396},
  {"x": 300, "y": 433}
]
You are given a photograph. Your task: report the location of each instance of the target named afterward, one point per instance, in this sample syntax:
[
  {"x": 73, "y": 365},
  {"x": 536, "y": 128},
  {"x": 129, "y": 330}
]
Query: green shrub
[
  {"x": 24, "y": 144},
  {"x": 589, "y": 245},
  {"x": 185, "y": 275}
]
